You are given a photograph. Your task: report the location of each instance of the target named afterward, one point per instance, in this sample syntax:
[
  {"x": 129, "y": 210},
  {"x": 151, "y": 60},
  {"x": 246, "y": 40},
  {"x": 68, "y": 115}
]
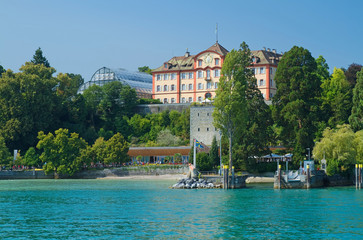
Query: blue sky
[{"x": 79, "y": 36}]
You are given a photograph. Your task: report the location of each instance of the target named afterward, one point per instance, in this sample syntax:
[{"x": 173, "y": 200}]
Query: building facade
[{"x": 195, "y": 78}]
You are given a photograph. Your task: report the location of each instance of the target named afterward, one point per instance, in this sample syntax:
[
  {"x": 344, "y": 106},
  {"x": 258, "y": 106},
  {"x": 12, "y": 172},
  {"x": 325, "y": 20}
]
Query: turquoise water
[{"x": 136, "y": 209}]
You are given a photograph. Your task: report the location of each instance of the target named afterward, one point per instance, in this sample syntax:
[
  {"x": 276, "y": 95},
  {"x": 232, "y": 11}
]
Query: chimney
[{"x": 187, "y": 54}]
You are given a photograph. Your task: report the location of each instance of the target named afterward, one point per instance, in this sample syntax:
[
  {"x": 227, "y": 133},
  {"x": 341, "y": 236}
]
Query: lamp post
[
  {"x": 308, "y": 153},
  {"x": 220, "y": 152}
]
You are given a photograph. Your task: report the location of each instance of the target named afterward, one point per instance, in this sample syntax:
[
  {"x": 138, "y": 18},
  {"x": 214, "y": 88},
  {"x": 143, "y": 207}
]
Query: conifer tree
[
  {"x": 38, "y": 58},
  {"x": 356, "y": 118}
]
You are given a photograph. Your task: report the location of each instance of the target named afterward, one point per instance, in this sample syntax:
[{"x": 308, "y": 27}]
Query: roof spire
[{"x": 216, "y": 32}]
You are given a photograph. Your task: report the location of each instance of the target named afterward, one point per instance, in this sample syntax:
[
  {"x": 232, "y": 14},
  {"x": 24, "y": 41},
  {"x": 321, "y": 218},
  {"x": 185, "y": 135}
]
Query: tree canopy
[
  {"x": 145, "y": 69},
  {"x": 230, "y": 103},
  {"x": 296, "y": 103},
  {"x": 38, "y": 58},
  {"x": 356, "y": 117}
]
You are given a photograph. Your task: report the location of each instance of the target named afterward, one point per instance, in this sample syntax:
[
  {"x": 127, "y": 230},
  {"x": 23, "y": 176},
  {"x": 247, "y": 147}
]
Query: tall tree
[
  {"x": 336, "y": 96},
  {"x": 61, "y": 151},
  {"x": 230, "y": 103},
  {"x": 213, "y": 153},
  {"x": 356, "y": 118},
  {"x": 28, "y": 104},
  {"x": 38, "y": 58},
  {"x": 351, "y": 73},
  {"x": 296, "y": 102},
  {"x": 1, "y": 70},
  {"x": 258, "y": 133}
]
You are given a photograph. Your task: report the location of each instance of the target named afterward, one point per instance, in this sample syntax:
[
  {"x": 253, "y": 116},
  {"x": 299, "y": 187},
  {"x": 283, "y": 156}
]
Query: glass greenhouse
[{"x": 141, "y": 82}]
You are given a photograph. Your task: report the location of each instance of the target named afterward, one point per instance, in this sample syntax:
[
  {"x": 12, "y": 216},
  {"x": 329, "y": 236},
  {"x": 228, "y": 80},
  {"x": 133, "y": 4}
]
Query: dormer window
[
  {"x": 216, "y": 61},
  {"x": 165, "y": 65},
  {"x": 200, "y": 63}
]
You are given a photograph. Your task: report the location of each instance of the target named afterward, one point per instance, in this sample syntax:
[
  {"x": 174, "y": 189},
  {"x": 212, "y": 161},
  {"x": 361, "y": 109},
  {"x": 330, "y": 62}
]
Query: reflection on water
[{"x": 131, "y": 209}]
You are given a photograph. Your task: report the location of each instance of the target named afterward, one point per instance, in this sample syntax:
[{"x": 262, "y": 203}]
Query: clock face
[{"x": 208, "y": 59}]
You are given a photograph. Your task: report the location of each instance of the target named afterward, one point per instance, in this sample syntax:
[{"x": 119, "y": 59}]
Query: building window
[
  {"x": 216, "y": 85},
  {"x": 191, "y": 75},
  {"x": 173, "y": 76},
  {"x": 183, "y": 100},
  {"x": 172, "y": 87},
  {"x": 190, "y": 99},
  {"x": 199, "y": 63},
  {"x": 208, "y": 74},
  {"x": 165, "y": 88},
  {"x": 165, "y": 65},
  {"x": 262, "y": 82},
  {"x": 207, "y": 114},
  {"x": 200, "y": 86},
  {"x": 209, "y": 85},
  {"x": 172, "y": 100},
  {"x": 271, "y": 82},
  {"x": 216, "y": 61},
  {"x": 200, "y": 74},
  {"x": 198, "y": 129},
  {"x": 207, "y": 129},
  {"x": 253, "y": 70},
  {"x": 262, "y": 70},
  {"x": 183, "y": 76},
  {"x": 198, "y": 114},
  {"x": 271, "y": 95},
  {"x": 158, "y": 89},
  {"x": 217, "y": 73},
  {"x": 158, "y": 77},
  {"x": 166, "y": 76},
  {"x": 165, "y": 100},
  {"x": 184, "y": 87},
  {"x": 190, "y": 86},
  {"x": 199, "y": 99},
  {"x": 208, "y": 95}
]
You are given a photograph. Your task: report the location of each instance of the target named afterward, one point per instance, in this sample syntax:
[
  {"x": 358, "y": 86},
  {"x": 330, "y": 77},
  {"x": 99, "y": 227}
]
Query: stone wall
[
  {"x": 201, "y": 125},
  {"x": 157, "y": 108},
  {"x": 24, "y": 175}
]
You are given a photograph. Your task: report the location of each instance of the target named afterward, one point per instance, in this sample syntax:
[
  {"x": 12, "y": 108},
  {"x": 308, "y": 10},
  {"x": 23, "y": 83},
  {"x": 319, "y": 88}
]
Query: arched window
[
  {"x": 208, "y": 95},
  {"x": 165, "y": 88}
]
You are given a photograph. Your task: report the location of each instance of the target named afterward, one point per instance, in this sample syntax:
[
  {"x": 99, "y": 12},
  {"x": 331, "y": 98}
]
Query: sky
[{"x": 81, "y": 36}]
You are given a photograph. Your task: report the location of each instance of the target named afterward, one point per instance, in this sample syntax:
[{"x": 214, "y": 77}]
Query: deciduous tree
[
  {"x": 230, "y": 103},
  {"x": 356, "y": 117},
  {"x": 296, "y": 103}
]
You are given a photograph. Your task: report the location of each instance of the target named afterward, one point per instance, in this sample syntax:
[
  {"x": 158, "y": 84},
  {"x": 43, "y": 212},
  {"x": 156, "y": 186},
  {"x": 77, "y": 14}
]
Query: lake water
[{"x": 140, "y": 209}]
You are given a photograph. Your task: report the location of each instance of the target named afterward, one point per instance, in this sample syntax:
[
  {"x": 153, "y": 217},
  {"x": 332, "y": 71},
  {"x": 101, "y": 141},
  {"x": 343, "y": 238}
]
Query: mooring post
[
  {"x": 232, "y": 184},
  {"x": 360, "y": 176},
  {"x": 225, "y": 177},
  {"x": 279, "y": 176},
  {"x": 308, "y": 176},
  {"x": 356, "y": 176}
]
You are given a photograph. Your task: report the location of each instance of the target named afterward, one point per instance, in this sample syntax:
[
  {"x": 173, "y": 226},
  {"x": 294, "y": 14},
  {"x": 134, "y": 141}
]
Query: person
[{"x": 193, "y": 173}]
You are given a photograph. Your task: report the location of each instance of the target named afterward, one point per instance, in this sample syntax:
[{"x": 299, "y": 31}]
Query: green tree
[
  {"x": 213, "y": 153},
  {"x": 28, "y": 104},
  {"x": 204, "y": 162},
  {"x": 117, "y": 148},
  {"x": 322, "y": 68},
  {"x": 296, "y": 103},
  {"x": 93, "y": 97},
  {"x": 166, "y": 138},
  {"x": 31, "y": 158},
  {"x": 94, "y": 154},
  {"x": 230, "y": 103},
  {"x": 38, "y": 58},
  {"x": 337, "y": 148},
  {"x": 257, "y": 135},
  {"x": 2, "y": 70},
  {"x": 145, "y": 69},
  {"x": 61, "y": 151},
  {"x": 5, "y": 156},
  {"x": 336, "y": 98},
  {"x": 351, "y": 73},
  {"x": 356, "y": 117}
]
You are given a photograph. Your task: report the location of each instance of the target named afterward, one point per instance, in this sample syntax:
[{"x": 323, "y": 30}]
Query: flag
[{"x": 198, "y": 144}]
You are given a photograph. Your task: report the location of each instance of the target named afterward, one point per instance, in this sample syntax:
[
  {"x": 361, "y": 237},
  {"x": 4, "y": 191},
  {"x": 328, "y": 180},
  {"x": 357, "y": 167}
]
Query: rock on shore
[{"x": 194, "y": 183}]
